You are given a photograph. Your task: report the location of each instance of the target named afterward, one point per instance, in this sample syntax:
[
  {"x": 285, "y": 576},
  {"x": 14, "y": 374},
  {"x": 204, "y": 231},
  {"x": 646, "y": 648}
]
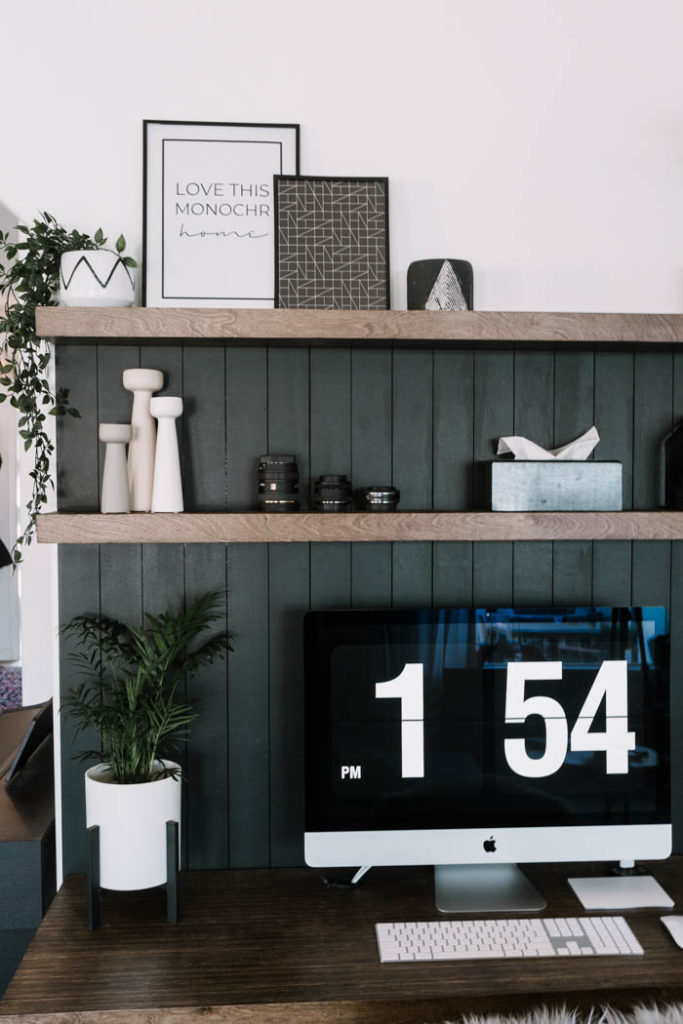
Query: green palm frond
[{"x": 131, "y": 676}]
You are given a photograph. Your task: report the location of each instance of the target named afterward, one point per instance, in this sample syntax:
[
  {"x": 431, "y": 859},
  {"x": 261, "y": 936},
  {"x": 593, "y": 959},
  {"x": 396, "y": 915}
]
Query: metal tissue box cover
[{"x": 553, "y": 486}]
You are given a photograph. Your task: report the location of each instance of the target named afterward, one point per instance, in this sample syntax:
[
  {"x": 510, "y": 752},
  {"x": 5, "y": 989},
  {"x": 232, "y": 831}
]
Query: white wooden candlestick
[
  {"x": 115, "y": 494},
  {"x": 167, "y": 493},
  {"x": 142, "y": 383}
]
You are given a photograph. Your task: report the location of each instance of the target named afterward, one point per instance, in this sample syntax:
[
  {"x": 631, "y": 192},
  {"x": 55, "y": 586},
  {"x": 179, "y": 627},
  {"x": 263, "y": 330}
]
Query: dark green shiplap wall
[{"x": 416, "y": 418}]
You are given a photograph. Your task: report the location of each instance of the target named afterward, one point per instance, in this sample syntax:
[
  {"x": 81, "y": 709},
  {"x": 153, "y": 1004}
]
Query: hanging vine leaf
[{"x": 29, "y": 277}]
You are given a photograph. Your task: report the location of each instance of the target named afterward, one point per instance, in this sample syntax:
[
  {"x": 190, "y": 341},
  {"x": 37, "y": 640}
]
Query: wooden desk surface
[{"x": 278, "y": 945}]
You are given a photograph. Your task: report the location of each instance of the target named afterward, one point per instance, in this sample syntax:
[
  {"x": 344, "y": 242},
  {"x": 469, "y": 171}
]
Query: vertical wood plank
[
  {"x": 330, "y": 413},
  {"x": 651, "y": 580},
  {"x": 412, "y": 574},
  {"x": 453, "y": 471},
  {"x": 652, "y": 418},
  {"x": 163, "y": 565},
  {"x": 120, "y": 564},
  {"x": 78, "y": 569},
  {"x": 492, "y": 576},
  {"x": 614, "y": 382},
  {"x": 493, "y": 418},
  {"x": 452, "y": 575},
  {"x": 412, "y": 428},
  {"x": 453, "y": 430},
  {"x": 78, "y": 595},
  {"x": 330, "y": 453},
  {"x": 288, "y": 409},
  {"x": 574, "y": 413},
  {"x": 572, "y": 573},
  {"x": 289, "y": 600},
  {"x": 205, "y": 487},
  {"x": 412, "y": 457},
  {"x": 246, "y": 410},
  {"x": 574, "y": 394},
  {"x": 203, "y": 428},
  {"x": 78, "y": 471},
  {"x": 532, "y": 571},
  {"x": 208, "y": 748},
  {"x": 248, "y": 706},
  {"x": 614, "y": 419},
  {"x": 289, "y": 594},
  {"x": 371, "y": 419}
]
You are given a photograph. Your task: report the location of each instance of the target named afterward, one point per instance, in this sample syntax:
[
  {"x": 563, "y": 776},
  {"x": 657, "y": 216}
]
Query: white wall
[{"x": 539, "y": 139}]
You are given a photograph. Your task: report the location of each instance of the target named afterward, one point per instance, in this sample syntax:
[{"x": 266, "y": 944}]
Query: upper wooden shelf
[
  {"x": 309, "y": 327},
  {"x": 258, "y": 527}
]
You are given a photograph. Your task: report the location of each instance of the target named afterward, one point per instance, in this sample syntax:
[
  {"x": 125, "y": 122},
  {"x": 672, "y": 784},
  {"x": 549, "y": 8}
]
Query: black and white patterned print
[{"x": 332, "y": 243}]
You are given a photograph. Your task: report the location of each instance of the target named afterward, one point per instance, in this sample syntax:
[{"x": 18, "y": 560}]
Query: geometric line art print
[
  {"x": 332, "y": 242},
  {"x": 446, "y": 293}
]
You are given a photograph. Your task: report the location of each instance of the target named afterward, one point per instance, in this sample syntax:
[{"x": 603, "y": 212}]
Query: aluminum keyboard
[{"x": 506, "y": 938}]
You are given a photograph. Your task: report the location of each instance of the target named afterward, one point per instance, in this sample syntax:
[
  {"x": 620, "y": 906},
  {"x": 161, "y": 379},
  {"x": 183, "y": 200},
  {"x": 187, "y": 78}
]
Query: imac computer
[{"x": 476, "y": 739}]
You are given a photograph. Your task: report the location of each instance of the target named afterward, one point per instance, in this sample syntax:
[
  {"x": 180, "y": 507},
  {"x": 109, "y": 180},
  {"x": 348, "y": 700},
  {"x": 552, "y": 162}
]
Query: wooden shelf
[
  {"x": 303, "y": 527},
  {"x": 310, "y": 327}
]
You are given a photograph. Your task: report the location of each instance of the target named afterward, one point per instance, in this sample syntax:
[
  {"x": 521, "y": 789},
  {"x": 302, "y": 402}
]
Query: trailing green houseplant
[
  {"x": 129, "y": 697},
  {"x": 29, "y": 277}
]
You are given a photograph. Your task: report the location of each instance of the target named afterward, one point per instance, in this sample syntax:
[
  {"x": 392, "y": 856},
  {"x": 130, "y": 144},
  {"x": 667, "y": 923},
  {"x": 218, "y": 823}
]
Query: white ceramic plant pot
[
  {"x": 132, "y": 820},
  {"x": 95, "y": 277}
]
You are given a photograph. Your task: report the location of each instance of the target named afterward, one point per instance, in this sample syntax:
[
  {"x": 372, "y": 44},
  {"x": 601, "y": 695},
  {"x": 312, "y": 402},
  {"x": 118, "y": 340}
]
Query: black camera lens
[
  {"x": 378, "y": 499},
  {"x": 332, "y": 493},
  {"x": 278, "y": 484}
]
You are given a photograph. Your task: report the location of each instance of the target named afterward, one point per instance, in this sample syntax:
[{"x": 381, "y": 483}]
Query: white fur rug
[{"x": 668, "y": 1014}]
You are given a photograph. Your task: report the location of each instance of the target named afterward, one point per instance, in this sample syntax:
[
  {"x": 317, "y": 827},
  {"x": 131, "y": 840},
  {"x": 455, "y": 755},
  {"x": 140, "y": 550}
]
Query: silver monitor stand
[{"x": 470, "y": 888}]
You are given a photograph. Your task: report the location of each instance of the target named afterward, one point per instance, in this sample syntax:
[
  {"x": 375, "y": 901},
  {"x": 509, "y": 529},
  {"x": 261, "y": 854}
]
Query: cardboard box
[{"x": 552, "y": 486}]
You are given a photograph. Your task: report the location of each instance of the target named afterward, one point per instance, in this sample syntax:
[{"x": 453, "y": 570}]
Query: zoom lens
[{"x": 278, "y": 484}]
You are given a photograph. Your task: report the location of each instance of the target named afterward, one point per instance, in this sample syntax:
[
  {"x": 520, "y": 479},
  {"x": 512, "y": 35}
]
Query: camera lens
[
  {"x": 278, "y": 484},
  {"x": 378, "y": 499},
  {"x": 332, "y": 493}
]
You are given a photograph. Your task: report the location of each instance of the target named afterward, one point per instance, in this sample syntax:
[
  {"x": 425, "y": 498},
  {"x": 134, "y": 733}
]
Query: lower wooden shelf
[{"x": 304, "y": 527}]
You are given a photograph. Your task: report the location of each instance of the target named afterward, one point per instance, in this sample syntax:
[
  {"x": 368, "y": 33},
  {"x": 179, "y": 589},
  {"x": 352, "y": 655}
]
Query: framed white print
[{"x": 209, "y": 218}]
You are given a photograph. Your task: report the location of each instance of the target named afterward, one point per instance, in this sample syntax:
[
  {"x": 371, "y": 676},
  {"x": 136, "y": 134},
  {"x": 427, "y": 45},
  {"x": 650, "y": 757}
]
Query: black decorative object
[
  {"x": 440, "y": 284},
  {"x": 209, "y": 219},
  {"x": 332, "y": 243},
  {"x": 332, "y": 493},
  {"x": 671, "y": 469},
  {"x": 278, "y": 484},
  {"x": 378, "y": 499}
]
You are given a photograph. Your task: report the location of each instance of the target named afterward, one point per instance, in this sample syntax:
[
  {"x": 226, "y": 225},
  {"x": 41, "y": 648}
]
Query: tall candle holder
[
  {"x": 167, "y": 492},
  {"x": 143, "y": 383}
]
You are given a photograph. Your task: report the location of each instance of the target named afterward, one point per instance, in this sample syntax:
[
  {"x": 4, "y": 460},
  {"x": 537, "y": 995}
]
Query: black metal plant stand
[{"x": 93, "y": 874}]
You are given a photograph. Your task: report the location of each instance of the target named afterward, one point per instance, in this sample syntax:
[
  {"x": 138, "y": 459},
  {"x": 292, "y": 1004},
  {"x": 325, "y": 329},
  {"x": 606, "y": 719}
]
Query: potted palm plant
[{"x": 129, "y": 701}]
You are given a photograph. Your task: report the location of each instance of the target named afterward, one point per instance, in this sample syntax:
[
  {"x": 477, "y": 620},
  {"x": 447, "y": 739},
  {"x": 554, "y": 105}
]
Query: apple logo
[{"x": 490, "y": 845}]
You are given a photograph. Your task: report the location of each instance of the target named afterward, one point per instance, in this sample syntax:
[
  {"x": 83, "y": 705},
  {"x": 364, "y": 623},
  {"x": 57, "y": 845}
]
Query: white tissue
[{"x": 522, "y": 448}]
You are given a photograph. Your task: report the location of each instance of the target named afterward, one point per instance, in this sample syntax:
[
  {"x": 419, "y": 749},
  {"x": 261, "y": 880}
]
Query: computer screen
[{"x": 456, "y": 736}]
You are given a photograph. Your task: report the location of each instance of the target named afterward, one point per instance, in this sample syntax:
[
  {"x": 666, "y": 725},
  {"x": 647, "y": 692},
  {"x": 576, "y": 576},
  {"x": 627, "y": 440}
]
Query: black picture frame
[
  {"x": 331, "y": 242},
  {"x": 208, "y": 213}
]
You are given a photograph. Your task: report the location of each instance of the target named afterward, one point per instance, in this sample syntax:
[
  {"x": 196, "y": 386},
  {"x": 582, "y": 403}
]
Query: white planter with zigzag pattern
[{"x": 95, "y": 277}]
